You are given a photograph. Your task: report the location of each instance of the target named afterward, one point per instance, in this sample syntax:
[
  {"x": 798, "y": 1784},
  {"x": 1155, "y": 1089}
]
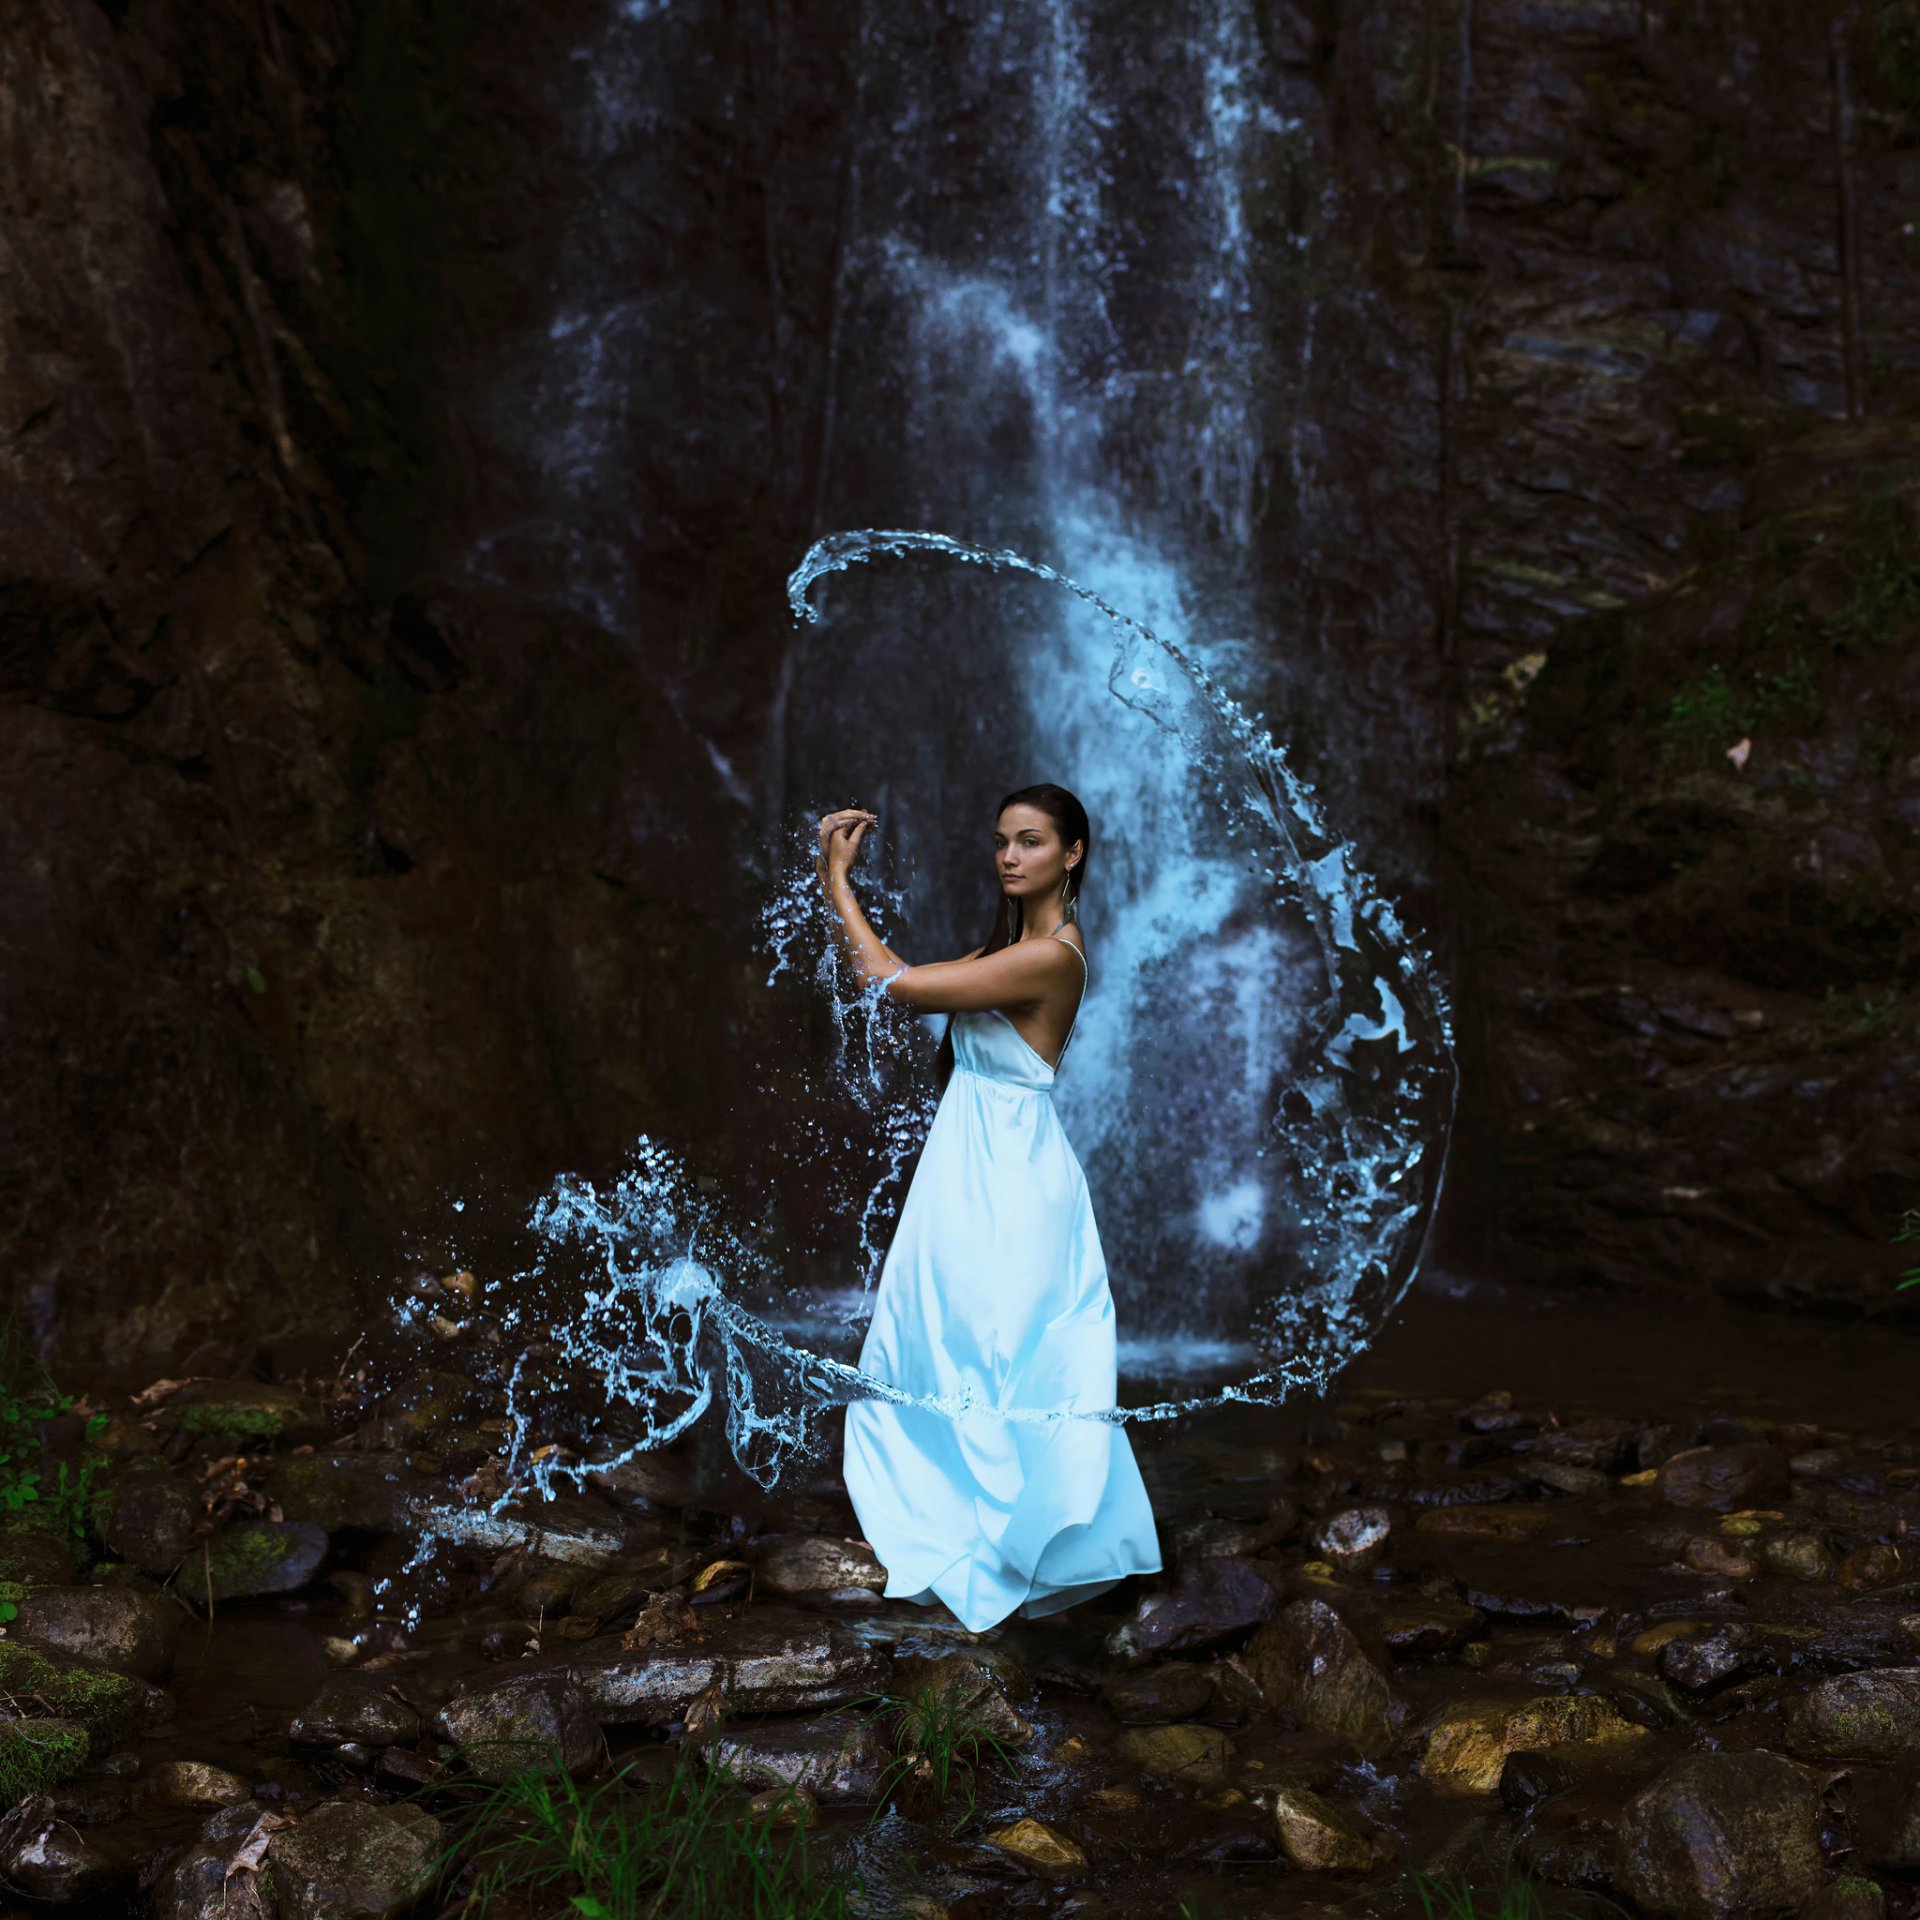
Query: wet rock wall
[{"x": 381, "y": 801}]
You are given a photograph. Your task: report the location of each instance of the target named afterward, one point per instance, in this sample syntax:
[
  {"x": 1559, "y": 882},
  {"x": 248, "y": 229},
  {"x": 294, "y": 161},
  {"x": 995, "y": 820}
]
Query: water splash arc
[{"x": 633, "y": 1301}]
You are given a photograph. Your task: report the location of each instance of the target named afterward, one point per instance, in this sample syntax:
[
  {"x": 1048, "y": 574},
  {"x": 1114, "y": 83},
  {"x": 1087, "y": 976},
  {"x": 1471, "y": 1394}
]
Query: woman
[{"x": 995, "y": 1280}]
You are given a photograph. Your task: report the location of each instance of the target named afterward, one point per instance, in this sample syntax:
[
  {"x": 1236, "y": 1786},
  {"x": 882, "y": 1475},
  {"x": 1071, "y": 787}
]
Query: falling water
[
  {"x": 1062, "y": 338},
  {"x": 636, "y": 1299}
]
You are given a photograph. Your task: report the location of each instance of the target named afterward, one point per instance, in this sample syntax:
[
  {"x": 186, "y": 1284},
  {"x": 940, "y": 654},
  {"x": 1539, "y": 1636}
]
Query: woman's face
[{"x": 1029, "y": 855}]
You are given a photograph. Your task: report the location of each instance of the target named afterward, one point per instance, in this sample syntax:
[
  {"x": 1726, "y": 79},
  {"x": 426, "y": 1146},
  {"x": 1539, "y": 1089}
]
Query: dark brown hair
[{"x": 1070, "y": 819}]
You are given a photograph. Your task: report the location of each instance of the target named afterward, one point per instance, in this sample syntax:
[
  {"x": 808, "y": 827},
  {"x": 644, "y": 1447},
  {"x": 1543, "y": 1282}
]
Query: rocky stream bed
[{"x": 1656, "y": 1651}]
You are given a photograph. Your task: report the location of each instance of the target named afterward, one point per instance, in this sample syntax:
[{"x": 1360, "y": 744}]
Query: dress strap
[{"x": 1084, "y": 985}]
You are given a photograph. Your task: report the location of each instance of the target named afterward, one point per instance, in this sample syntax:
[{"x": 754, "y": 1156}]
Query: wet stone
[
  {"x": 207, "y": 1882},
  {"x": 1040, "y": 1849},
  {"x": 347, "y": 1860},
  {"x": 1516, "y": 1520},
  {"x": 1186, "y": 1756},
  {"x": 1316, "y": 1836},
  {"x": 771, "y": 1660},
  {"x": 1421, "y": 1627},
  {"x": 1528, "y": 1777},
  {"x": 1354, "y": 1538},
  {"x": 348, "y": 1710},
  {"x": 1746, "y": 1474},
  {"x": 1565, "y": 1478},
  {"x": 1467, "y": 1743},
  {"x": 1722, "y": 1834},
  {"x": 1211, "y": 1536},
  {"x": 1602, "y": 1445},
  {"x": 254, "y": 1557},
  {"x": 1571, "y": 1839},
  {"x": 1214, "y": 1599},
  {"x": 1871, "y": 1715},
  {"x": 1797, "y": 1555},
  {"x": 1310, "y": 1663},
  {"x": 533, "y": 1723},
  {"x": 1179, "y": 1690},
  {"x": 575, "y": 1529},
  {"x": 60, "y": 1864},
  {"x": 1703, "y": 1662},
  {"x": 194, "y": 1783},
  {"x": 1726, "y": 1559},
  {"x": 815, "y": 1567},
  {"x": 833, "y": 1756},
  {"x": 123, "y": 1627}
]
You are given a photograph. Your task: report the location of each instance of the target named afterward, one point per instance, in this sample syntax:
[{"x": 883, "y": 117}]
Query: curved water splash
[{"x": 633, "y": 1303}]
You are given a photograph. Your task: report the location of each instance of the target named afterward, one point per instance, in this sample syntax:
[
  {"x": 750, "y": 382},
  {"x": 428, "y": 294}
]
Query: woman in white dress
[{"x": 995, "y": 1284}]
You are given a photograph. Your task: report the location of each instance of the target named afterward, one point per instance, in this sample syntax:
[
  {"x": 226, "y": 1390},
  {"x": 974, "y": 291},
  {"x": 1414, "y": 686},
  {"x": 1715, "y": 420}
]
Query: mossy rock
[
  {"x": 254, "y": 1557},
  {"x": 35, "y": 1554},
  {"x": 37, "y": 1753},
  {"x": 102, "y": 1701},
  {"x": 313, "y": 1488},
  {"x": 247, "y": 1412},
  {"x": 148, "y": 1517}
]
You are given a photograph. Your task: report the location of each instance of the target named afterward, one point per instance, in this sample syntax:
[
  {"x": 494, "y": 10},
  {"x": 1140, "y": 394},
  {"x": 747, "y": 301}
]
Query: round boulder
[
  {"x": 355, "y": 1711},
  {"x": 349, "y": 1860},
  {"x": 128, "y": 1628},
  {"x": 1746, "y": 1474},
  {"x": 147, "y": 1517},
  {"x": 1719, "y": 1835},
  {"x": 539, "y": 1724},
  {"x": 1872, "y": 1715}
]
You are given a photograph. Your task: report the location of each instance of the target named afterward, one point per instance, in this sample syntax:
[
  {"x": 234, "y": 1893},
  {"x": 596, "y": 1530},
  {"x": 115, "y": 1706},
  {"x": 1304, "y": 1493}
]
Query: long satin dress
[{"x": 995, "y": 1278}]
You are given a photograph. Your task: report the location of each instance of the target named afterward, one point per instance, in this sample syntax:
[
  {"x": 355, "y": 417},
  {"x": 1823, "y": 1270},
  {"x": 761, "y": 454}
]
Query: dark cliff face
[{"x": 406, "y": 425}]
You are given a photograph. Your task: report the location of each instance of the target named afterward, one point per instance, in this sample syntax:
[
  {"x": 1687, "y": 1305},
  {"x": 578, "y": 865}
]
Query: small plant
[
  {"x": 1452, "y": 1896},
  {"x": 1860, "y": 1012},
  {"x": 28, "y": 1400},
  {"x": 1909, "y": 1230},
  {"x": 1702, "y": 719},
  {"x": 623, "y": 1850},
  {"x": 940, "y": 1739}
]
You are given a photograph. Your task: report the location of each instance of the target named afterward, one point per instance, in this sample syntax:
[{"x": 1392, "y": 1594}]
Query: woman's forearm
[{"x": 870, "y": 956}]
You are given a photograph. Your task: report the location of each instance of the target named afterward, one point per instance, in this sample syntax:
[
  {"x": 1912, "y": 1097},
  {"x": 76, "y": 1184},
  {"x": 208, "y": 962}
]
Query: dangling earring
[
  {"x": 1013, "y": 924},
  {"x": 1068, "y": 910}
]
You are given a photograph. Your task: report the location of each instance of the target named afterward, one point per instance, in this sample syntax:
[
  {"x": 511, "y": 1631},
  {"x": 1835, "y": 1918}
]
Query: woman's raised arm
[{"x": 1016, "y": 976}]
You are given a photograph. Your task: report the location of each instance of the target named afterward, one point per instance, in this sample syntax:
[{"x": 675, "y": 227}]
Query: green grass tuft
[
  {"x": 622, "y": 1850},
  {"x": 1452, "y": 1896},
  {"x": 942, "y": 1739}
]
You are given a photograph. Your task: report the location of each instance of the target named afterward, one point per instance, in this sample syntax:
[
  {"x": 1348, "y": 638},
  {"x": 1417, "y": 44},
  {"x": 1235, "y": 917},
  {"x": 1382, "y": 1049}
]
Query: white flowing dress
[{"x": 995, "y": 1280}]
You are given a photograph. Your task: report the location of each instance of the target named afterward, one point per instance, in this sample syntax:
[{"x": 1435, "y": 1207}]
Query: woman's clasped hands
[{"x": 841, "y": 833}]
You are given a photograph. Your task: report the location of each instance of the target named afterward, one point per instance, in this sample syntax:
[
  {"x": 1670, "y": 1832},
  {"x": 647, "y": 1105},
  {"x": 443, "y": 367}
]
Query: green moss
[
  {"x": 246, "y": 1559},
  {"x": 234, "y": 1423},
  {"x": 36, "y": 1754},
  {"x": 95, "y": 1697}
]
